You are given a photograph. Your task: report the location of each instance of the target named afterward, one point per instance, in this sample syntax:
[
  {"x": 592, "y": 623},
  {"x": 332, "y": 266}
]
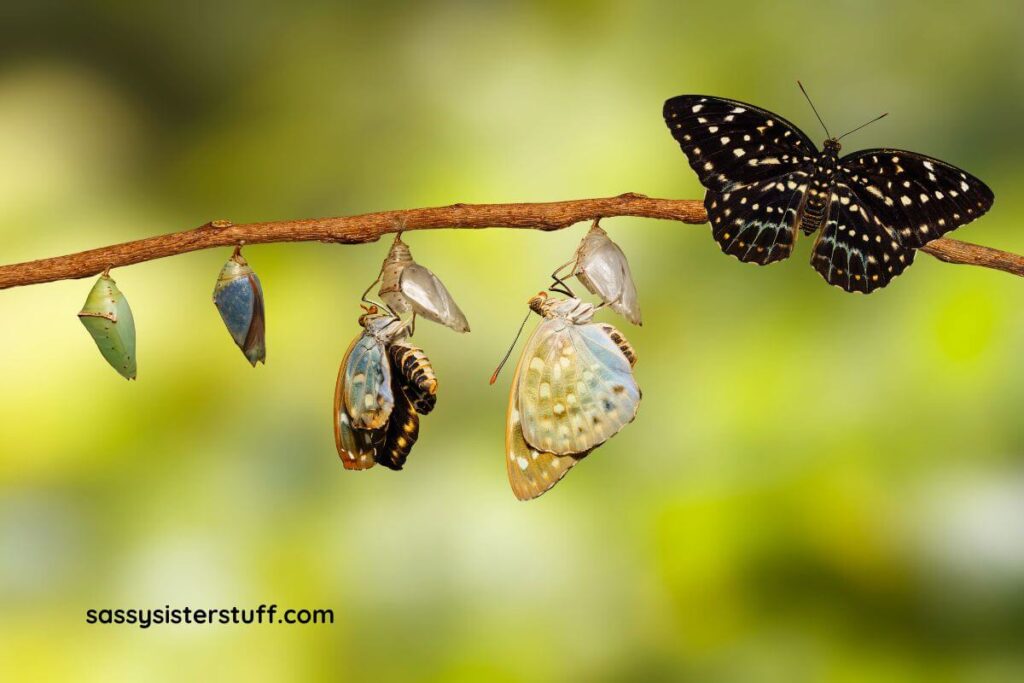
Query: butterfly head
[
  {"x": 539, "y": 303},
  {"x": 372, "y": 311},
  {"x": 832, "y": 146},
  {"x": 571, "y": 309}
]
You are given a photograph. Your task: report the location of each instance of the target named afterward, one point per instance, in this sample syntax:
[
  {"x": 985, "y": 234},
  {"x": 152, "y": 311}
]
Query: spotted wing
[
  {"x": 366, "y": 386},
  {"x": 530, "y": 472},
  {"x": 576, "y": 388},
  {"x": 627, "y": 349},
  {"x": 411, "y": 365},
  {"x": 919, "y": 197},
  {"x": 731, "y": 143},
  {"x": 356, "y": 447},
  {"x": 857, "y": 248},
  {"x": 757, "y": 222}
]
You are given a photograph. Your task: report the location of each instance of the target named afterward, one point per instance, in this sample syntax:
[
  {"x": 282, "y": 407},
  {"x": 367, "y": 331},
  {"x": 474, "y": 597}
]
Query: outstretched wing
[
  {"x": 576, "y": 388},
  {"x": 857, "y": 248},
  {"x": 731, "y": 143},
  {"x": 919, "y": 197},
  {"x": 531, "y": 472},
  {"x": 757, "y": 222},
  {"x": 366, "y": 385}
]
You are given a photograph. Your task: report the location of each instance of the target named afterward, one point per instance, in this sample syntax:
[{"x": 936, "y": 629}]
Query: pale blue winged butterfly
[{"x": 572, "y": 390}]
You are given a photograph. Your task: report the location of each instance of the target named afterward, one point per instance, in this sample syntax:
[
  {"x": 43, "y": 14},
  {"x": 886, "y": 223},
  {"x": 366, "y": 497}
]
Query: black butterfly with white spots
[{"x": 766, "y": 179}]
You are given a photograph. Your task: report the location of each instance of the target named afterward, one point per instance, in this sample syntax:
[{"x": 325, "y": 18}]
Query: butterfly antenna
[
  {"x": 497, "y": 370},
  {"x": 877, "y": 118},
  {"x": 804, "y": 91}
]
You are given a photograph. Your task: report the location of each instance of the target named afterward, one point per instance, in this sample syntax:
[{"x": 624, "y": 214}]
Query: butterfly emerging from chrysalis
[
  {"x": 573, "y": 388},
  {"x": 384, "y": 385},
  {"x": 385, "y": 382},
  {"x": 766, "y": 180}
]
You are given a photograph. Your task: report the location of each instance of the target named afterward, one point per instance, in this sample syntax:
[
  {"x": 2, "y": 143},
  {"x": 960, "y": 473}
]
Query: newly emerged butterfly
[
  {"x": 765, "y": 179},
  {"x": 384, "y": 384},
  {"x": 572, "y": 390}
]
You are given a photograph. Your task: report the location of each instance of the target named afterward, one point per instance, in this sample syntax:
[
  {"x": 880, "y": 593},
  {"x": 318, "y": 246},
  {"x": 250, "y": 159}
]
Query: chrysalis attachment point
[
  {"x": 602, "y": 268},
  {"x": 108, "y": 318},
  {"x": 407, "y": 286},
  {"x": 238, "y": 296}
]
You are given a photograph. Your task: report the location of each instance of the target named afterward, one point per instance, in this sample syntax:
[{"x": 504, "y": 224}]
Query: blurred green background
[{"x": 819, "y": 486}]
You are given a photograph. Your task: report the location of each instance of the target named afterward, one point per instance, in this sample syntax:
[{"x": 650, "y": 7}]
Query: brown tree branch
[{"x": 371, "y": 226}]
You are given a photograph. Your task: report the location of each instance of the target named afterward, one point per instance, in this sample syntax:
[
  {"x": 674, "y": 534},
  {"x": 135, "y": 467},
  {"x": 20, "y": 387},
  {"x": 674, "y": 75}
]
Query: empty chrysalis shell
[
  {"x": 602, "y": 268},
  {"x": 108, "y": 318},
  {"x": 238, "y": 296},
  {"x": 408, "y": 286}
]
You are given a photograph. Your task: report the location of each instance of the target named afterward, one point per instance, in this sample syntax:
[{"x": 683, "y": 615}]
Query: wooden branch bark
[{"x": 371, "y": 226}]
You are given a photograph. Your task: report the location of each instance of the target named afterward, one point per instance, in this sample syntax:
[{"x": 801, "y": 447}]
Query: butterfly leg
[
  {"x": 371, "y": 302},
  {"x": 561, "y": 286}
]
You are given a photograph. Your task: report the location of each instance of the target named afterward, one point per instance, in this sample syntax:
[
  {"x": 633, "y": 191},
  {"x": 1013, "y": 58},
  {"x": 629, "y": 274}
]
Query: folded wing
[
  {"x": 576, "y": 388},
  {"x": 367, "y": 384},
  {"x": 531, "y": 472}
]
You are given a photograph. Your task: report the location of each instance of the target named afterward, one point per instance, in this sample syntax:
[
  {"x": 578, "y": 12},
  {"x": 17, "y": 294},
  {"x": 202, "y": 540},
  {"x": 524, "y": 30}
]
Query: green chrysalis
[{"x": 108, "y": 318}]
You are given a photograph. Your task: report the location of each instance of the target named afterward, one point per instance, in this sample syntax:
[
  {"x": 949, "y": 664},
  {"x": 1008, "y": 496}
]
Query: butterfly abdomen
[
  {"x": 402, "y": 432},
  {"x": 813, "y": 213},
  {"x": 819, "y": 189},
  {"x": 414, "y": 367}
]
